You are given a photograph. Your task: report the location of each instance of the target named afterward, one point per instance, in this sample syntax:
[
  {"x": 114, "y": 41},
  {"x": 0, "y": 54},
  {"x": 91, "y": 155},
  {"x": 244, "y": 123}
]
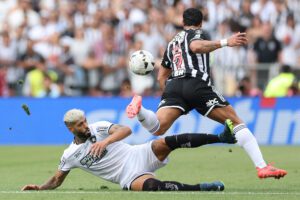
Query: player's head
[
  {"x": 76, "y": 122},
  {"x": 192, "y": 17}
]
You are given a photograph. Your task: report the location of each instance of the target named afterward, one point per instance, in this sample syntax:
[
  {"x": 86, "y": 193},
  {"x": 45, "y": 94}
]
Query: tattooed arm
[
  {"x": 52, "y": 183},
  {"x": 116, "y": 133},
  {"x": 205, "y": 46}
]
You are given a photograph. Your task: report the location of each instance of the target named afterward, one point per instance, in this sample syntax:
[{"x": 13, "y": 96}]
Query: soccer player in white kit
[{"x": 98, "y": 150}]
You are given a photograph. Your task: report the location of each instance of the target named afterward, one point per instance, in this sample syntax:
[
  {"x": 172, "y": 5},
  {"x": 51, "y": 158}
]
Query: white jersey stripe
[
  {"x": 200, "y": 63},
  {"x": 189, "y": 59}
]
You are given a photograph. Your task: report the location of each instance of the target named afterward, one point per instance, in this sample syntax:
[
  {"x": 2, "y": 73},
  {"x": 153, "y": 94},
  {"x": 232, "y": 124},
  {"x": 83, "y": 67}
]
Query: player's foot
[
  {"x": 213, "y": 186},
  {"x": 227, "y": 136},
  {"x": 134, "y": 107},
  {"x": 270, "y": 171}
]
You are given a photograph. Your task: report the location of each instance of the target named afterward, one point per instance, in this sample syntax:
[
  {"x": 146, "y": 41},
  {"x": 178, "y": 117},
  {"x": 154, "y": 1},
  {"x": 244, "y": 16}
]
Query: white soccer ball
[{"x": 141, "y": 62}]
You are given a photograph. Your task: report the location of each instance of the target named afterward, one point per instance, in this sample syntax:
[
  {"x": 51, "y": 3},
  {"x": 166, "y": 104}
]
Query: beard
[{"x": 84, "y": 135}]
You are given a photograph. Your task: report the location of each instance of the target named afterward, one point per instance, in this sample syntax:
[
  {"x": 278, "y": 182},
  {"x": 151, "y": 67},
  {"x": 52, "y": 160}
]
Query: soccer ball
[{"x": 141, "y": 62}]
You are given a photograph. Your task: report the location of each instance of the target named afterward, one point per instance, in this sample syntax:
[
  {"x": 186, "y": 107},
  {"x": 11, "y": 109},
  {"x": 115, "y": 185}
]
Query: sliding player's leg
[{"x": 148, "y": 182}]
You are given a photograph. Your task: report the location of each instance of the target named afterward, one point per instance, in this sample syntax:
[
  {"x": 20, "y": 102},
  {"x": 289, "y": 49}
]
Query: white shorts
[{"x": 141, "y": 160}]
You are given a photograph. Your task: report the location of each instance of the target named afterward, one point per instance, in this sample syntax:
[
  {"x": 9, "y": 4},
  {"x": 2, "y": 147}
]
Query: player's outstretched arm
[
  {"x": 52, "y": 183},
  {"x": 206, "y": 46}
]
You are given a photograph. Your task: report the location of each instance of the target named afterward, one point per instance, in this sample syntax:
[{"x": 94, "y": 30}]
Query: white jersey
[
  {"x": 119, "y": 163},
  {"x": 108, "y": 166}
]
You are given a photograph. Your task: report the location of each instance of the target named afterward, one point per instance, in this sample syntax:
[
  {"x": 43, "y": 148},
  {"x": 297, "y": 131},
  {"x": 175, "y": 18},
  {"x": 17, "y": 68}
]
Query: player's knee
[
  {"x": 164, "y": 126},
  {"x": 160, "y": 149},
  {"x": 152, "y": 184}
]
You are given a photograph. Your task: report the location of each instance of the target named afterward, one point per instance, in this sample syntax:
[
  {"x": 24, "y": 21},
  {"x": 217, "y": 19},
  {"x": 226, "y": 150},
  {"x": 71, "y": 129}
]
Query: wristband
[{"x": 223, "y": 42}]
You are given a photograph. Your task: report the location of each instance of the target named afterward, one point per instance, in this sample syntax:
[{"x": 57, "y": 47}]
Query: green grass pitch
[{"x": 22, "y": 165}]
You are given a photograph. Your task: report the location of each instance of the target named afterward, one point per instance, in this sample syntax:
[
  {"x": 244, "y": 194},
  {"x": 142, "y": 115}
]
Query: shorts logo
[{"x": 212, "y": 102}]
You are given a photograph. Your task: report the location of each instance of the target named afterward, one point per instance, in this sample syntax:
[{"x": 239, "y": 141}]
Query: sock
[
  {"x": 246, "y": 140},
  {"x": 148, "y": 119},
  {"x": 153, "y": 184},
  {"x": 176, "y": 186},
  {"x": 190, "y": 140}
]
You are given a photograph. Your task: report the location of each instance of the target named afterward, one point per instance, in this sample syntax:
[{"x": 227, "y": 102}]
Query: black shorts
[{"x": 191, "y": 93}]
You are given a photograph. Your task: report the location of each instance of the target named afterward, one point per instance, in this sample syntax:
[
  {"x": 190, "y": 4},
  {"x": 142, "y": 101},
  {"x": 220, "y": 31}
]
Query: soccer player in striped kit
[{"x": 184, "y": 77}]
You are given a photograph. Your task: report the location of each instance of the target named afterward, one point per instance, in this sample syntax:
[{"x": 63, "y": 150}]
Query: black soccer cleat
[
  {"x": 228, "y": 136},
  {"x": 213, "y": 186}
]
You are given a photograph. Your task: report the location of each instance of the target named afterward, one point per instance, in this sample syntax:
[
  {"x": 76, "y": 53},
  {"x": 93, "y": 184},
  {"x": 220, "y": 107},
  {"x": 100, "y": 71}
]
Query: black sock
[
  {"x": 190, "y": 140},
  {"x": 152, "y": 184},
  {"x": 176, "y": 186}
]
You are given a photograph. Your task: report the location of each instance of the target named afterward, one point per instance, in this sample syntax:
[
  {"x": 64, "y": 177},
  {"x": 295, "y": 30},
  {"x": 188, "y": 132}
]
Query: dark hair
[
  {"x": 192, "y": 17},
  {"x": 286, "y": 69}
]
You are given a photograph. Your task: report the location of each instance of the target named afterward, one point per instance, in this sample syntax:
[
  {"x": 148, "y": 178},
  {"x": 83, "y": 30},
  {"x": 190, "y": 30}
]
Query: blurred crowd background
[{"x": 53, "y": 48}]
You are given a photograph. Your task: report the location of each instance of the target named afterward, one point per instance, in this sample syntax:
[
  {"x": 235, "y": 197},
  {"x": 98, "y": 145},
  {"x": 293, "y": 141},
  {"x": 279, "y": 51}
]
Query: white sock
[
  {"x": 148, "y": 119},
  {"x": 246, "y": 140}
]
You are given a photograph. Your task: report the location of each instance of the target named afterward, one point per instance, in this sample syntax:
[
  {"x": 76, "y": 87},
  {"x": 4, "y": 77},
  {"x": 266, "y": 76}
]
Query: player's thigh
[
  {"x": 166, "y": 117},
  {"x": 160, "y": 149},
  {"x": 220, "y": 114},
  {"x": 137, "y": 184}
]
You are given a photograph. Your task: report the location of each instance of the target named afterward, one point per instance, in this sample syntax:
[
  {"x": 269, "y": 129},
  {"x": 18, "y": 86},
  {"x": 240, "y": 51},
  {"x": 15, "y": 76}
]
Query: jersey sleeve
[
  {"x": 102, "y": 127},
  {"x": 64, "y": 165},
  {"x": 195, "y": 35},
  {"x": 166, "y": 63}
]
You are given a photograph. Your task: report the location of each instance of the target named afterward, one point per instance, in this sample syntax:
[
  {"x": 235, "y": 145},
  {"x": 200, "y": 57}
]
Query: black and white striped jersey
[{"x": 183, "y": 62}]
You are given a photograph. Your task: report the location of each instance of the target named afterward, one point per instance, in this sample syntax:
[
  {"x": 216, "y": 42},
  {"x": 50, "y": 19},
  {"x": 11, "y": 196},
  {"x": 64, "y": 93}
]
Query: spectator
[
  {"x": 22, "y": 14},
  {"x": 8, "y": 57},
  {"x": 35, "y": 29},
  {"x": 5, "y": 7},
  {"x": 114, "y": 70},
  {"x": 79, "y": 54},
  {"x": 126, "y": 90},
  {"x": 51, "y": 89},
  {"x": 246, "y": 88},
  {"x": 34, "y": 81},
  {"x": 264, "y": 9},
  {"x": 289, "y": 35},
  {"x": 267, "y": 51},
  {"x": 281, "y": 85},
  {"x": 72, "y": 75},
  {"x": 267, "y": 48},
  {"x": 30, "y": 59},
  {"x": 245, "y": 16}
]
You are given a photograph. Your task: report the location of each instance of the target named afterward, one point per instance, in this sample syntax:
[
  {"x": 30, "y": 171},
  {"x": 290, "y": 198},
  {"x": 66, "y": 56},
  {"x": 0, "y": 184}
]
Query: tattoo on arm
[
  {"x": 54, "y": 181},
  {"x": 114, "y": 128},
  {"x": 204, "y": 46}
]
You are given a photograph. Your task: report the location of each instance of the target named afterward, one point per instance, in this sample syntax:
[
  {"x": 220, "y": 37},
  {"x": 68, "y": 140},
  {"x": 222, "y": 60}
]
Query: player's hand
[
  {"x": 238, "y": 39},
  {"x": 30, "y": 187},
  {"x": 98, "y": 148}
]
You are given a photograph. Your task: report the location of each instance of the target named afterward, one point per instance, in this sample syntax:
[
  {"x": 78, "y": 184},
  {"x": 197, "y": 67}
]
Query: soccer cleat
[
  {"x": 270, "y": 171},
  {"x": 213, "y": 186},
  {"x": 134, "y": 107},
  {"x": 227, "y": 136}
]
